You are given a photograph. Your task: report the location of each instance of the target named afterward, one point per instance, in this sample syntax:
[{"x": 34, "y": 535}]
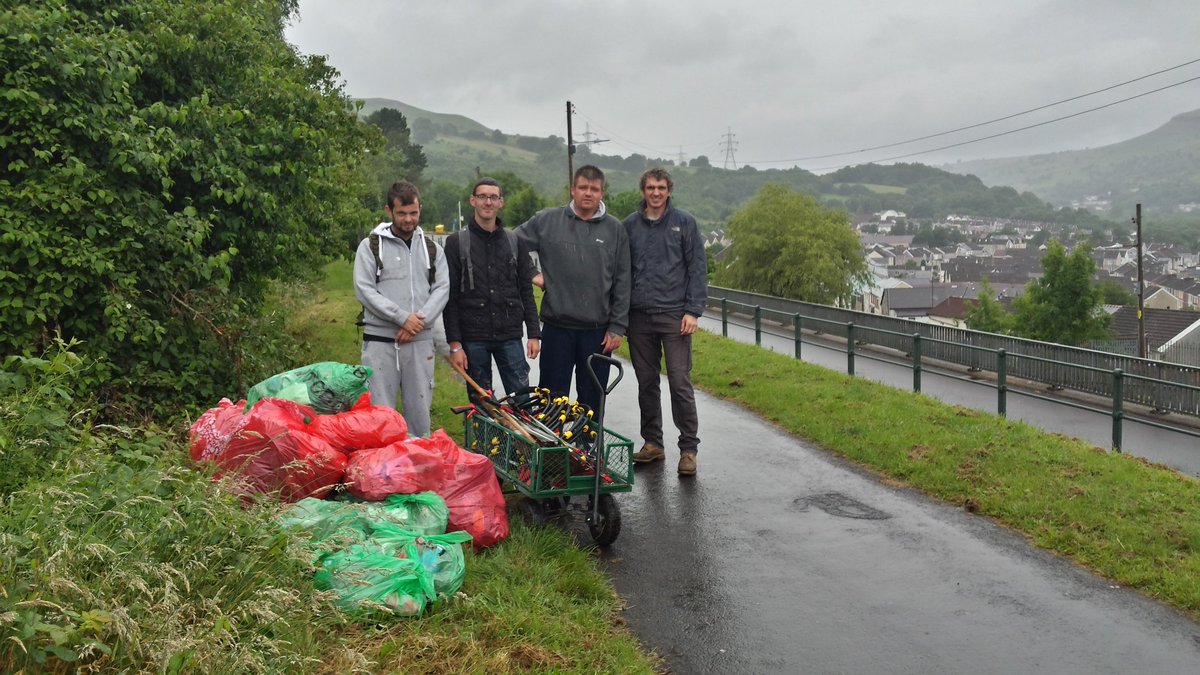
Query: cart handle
[{"x": 596, "y": 378}]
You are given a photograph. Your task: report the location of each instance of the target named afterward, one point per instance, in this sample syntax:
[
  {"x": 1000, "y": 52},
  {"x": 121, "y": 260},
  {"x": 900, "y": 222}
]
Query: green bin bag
[
  {"x": 440, "y": 554},
  {"x": 329, "y": 387},
  {"x": 369, "y": 578}
]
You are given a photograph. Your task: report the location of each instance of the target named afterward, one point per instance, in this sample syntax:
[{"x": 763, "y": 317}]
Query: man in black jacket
[
  {"x": 490, "y": 296},
  {"x": 670, "y": 282}
]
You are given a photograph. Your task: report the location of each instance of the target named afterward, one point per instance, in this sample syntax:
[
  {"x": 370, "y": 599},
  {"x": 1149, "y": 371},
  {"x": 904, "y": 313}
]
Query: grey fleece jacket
[
  {"x": 403, "y": 287},
  {"x": 585, "y": 265}
]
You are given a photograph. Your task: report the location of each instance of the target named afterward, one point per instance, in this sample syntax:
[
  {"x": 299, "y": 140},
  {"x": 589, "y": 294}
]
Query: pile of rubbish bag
[
  {"x": 313, "y": 433},
  {"x": 394, "y": 556}
]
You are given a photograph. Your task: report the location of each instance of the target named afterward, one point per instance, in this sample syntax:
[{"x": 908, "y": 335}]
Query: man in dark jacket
[
  {"x": 490, "y": 296},
  {"x": 670, "y": 283}
]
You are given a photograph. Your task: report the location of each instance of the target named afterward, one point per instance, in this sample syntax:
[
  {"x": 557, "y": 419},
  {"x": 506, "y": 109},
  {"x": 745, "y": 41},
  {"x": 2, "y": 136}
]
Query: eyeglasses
[{"x": 489, "y": 198}]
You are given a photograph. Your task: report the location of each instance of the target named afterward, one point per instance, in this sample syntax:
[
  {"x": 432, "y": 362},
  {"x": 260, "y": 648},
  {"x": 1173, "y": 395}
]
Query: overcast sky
[{"x": 790, "y": 80}]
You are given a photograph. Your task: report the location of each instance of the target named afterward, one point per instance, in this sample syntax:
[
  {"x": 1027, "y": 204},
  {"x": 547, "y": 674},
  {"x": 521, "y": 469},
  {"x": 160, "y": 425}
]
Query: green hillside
[
  {"x": 458, "y": 149},
  {"x": 1160, "y": 170},
  {"x": 412, "y": 114}
]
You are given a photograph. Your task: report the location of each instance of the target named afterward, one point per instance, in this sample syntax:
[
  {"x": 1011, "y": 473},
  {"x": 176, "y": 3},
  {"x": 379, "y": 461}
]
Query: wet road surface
[{"x": 780, "y": 558}]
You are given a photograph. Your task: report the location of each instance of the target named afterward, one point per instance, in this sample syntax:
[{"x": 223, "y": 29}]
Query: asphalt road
[{"x": 779, "y": 558}]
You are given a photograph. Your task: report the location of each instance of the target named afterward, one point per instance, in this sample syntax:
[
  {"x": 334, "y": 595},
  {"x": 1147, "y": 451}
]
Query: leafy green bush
[
  {"x": 162, "y": 162},
  {"x": 36, "y": 414}
]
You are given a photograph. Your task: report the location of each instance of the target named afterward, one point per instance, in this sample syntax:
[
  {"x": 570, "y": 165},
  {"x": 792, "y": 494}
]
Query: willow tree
[{"x": 786, "y": 244}]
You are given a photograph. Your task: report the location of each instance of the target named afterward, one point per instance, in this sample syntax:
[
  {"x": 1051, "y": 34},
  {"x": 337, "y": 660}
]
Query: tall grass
[{"x": 118, "y": 555}]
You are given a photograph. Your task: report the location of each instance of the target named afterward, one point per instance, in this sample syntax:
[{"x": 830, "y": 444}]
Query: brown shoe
[
  {"x": 649, "y": 453},
  {"x": 687, "y": 464}
]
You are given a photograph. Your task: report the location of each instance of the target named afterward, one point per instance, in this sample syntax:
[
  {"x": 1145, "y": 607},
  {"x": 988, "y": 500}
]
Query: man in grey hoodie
[
  {"x": 584, "y": 257},
  {"x": 401, "y": 279}
]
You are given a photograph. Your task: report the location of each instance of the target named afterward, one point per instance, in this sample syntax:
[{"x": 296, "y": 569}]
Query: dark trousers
[
  {"x": 510, "y": 361},
  {"x": 565, "y": 352},
  {"x": 651, "y": 336}
]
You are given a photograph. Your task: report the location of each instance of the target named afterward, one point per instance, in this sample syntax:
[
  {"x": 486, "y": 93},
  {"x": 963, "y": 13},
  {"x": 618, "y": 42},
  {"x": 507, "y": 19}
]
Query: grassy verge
[{"x": 1135, "y": 523}]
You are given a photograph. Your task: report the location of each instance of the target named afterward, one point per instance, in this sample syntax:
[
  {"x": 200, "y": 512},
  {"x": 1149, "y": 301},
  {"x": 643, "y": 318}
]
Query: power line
[
  {"x": 625, "y": 142},
  {"x": 991, "y": 121},
  {"x": 1025, "y": 128}
]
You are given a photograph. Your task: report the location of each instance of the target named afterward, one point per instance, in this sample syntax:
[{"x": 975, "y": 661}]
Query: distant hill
[
  {"x": 459, "y": 148},
  {"x": 1160, "y": 170},
  {"x": 412, "y": 114}
]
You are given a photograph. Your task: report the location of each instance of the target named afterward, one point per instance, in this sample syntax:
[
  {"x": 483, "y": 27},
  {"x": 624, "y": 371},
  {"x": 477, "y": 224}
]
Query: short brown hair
[
  {"x": 657, "y": 173},
  {"x": 403, "y": 192},
  {"x": 486, "y": 180},
  {"x": 587, "y": 172}
]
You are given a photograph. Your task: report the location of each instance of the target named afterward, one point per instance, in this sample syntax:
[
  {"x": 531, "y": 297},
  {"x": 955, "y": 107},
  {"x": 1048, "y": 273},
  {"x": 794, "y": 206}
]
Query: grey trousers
[
  {"x": 652, "y": 336},
  {"x": 405, "y": 369}
]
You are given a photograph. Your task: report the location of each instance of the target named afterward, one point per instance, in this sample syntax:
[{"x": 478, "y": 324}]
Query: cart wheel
[
  {"x": 531, "y": 511},
  {"x": 607, "y": 525}
]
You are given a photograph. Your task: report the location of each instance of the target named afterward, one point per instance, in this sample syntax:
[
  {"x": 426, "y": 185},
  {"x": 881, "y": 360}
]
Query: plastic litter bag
[
  {"x": 329, "y": 387},
  {"x": 211, "y": 432},
  {"x": 369, "y": 576},
  {"x": 273, "y": 451},
  {"x": 405, "y": 467},
  {"x": 423, "y": 513},
  {"x": 441, "y": 555},
  {"x": 363, "y": 426},
  {"x": 472, "y": 493}
]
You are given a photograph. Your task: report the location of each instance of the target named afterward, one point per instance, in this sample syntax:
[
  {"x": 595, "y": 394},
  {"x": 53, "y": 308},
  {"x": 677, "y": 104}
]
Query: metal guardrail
[{"x": 1158, "y": 385}]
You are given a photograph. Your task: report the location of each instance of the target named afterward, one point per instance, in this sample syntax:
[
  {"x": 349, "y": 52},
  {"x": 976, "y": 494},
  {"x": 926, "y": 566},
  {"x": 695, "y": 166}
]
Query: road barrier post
[
  {"x": 1001, "y": 382},
  {"x": 850, "y": 348},
  {"x": 758, "y": 325},
  {"x": 797, "y": 327},
  {"x": 1118, "y": 413},
  {"x": 916, "y": 357},
  {"x": 724, "y": 317}
]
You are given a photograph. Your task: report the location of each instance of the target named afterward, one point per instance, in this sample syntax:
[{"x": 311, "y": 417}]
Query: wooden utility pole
[
  {"x": 1141, "y": 286},
  {"x": 570, "y": 150}
]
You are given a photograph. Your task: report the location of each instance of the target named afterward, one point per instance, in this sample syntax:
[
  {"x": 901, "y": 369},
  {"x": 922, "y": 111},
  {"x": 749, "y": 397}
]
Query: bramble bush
[{"x": 162, "y": 162}]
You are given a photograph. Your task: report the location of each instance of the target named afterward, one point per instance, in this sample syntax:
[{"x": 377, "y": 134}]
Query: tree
[
  {"x": 786, "y": 244},
  {"x": 163, "y": 162},
  {"x": 700, "y": 161},
  {"x": 1116, "y": 294},
  {"x": 987, "y": 314},
  {"x": 1063, "y": 306},
  {"x": 624, "y": 203}
]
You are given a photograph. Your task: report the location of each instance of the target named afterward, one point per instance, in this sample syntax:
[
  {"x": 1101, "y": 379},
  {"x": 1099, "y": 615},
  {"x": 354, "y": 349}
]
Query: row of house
[{"x": 940, "y": 284}]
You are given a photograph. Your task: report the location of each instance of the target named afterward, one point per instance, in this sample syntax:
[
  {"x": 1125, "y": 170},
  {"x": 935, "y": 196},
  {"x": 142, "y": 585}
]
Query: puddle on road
[{"x": 841, "y": 506}]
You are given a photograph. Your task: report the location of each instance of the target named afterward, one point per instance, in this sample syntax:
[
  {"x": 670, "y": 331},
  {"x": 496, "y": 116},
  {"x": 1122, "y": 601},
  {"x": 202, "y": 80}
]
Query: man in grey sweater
[
  {"x": 670, "y": 284},
  {"x": 584, "y": 257},
  {"x": 403, "y": 284}
]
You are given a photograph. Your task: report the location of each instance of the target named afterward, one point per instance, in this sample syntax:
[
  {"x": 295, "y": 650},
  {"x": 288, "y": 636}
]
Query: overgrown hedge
[{"x": 161, "y": 162}]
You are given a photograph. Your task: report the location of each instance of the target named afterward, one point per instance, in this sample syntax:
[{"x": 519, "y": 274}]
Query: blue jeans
[
  {"x": 565, "y": 351},
  {"x": 510, "y": 361}
]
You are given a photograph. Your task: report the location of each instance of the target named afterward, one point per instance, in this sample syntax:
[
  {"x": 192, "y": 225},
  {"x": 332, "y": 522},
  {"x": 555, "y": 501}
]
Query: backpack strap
[
  {"x": 431, "y": 249},
  {"x": 374, "y": 239},
  {"x": 464, "y": 257}
]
